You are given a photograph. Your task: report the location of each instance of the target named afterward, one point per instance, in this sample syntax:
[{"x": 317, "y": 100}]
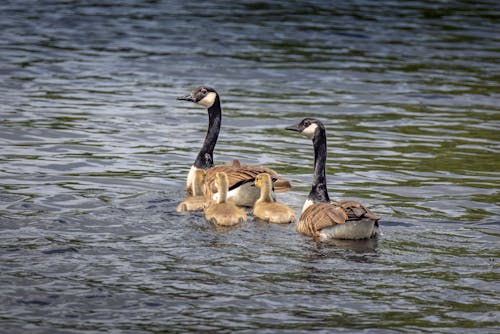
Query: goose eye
[
  {"x": 203, "y": 91},
  {"x": 307, "y": 123}
]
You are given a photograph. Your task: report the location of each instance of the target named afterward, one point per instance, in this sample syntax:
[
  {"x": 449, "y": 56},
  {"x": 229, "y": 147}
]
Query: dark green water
[{"x": 95, "y": 150}]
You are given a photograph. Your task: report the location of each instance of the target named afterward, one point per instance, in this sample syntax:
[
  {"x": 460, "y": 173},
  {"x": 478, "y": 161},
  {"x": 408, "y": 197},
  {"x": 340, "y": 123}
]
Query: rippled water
[{"x": 95, "y": 150}]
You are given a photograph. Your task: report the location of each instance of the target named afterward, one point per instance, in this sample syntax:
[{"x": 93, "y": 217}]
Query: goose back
[{"x": 323, "y": 220}]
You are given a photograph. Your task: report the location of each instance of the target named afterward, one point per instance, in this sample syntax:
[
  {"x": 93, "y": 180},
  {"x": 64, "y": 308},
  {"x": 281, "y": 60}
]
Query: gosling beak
[
  {"x": 294, "y": 127},
  {"x": 188, "y": 97}
]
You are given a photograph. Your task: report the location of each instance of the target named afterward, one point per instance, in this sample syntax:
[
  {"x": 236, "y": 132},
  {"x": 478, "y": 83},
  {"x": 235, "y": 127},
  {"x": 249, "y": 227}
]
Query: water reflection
[{"x": 353, "y": 247}]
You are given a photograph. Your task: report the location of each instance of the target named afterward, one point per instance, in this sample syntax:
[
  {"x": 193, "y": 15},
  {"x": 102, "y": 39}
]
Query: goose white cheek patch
[
  {"x": 208, "y": 100},
  {"x": 309, "y": 131}
]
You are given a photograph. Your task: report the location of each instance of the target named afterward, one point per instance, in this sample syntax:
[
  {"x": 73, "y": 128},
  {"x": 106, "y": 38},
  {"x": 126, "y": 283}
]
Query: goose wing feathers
[
  {"x": 239, "y": 174},
  {"x": 321, "y": 215},
  {"x": 357, "y": 210}
]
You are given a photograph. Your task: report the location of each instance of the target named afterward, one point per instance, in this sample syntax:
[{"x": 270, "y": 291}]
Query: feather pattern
[
  {"x": 357, "y": 210},
  {"x": 238, "y": 175},
  {"x": 319, "y": 216}
]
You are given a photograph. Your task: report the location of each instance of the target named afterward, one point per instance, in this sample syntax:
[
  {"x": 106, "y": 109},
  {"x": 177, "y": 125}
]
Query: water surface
[{"x": 95, "y": 150}]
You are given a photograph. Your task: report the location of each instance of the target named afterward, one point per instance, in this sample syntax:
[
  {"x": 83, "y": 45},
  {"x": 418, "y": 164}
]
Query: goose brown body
[
  {"x": 223, "y": 212},
  {"x": 240, "y": 177},
  {"x": 266, "y": 208},
  {"x": 324, "y": 220},
  {"x": 197, "y": 200},
  {"x": 321, "y": 218}
]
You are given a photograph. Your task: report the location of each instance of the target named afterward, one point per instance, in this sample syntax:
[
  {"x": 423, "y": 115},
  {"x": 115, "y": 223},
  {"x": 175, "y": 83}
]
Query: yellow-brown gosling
[
  {"x": 240, "y": 177},
  {"x": 223, "y": 212},
  {"x": 321, "y": 218},
  {"x": 197, "y": 200},
  {"x": 266, "y": 208}
]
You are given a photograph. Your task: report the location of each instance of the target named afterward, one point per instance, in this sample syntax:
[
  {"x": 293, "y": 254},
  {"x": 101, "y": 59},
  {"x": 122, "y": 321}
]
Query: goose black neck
[
  {"x": 205, "y": 158},
  {"x": 319, "y": 192}
]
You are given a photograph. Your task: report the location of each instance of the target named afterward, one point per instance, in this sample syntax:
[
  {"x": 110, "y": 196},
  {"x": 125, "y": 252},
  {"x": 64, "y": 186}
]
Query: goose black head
[
  {"x": 309, "y": 127},
  {"x": 204, "y": 96}
]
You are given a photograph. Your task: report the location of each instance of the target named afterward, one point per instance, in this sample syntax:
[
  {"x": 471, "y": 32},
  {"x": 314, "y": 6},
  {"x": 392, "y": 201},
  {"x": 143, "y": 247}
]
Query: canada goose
[
  {"x": 320, "y": 217},
  {"x": 266, "y": 208},
  {"x": 197, "y": 200},
  {"x": 241, "y": 177},
  {"x": 223, "y": 212}
]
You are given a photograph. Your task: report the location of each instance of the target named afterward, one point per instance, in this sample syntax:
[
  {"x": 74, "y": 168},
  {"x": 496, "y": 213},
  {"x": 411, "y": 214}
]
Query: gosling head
[
  {"x": 221, "y": 181},
  {"x": 262, "y": 180},
  {"x": 204, "y": 96},
  {"x": 309, "y": 127}
]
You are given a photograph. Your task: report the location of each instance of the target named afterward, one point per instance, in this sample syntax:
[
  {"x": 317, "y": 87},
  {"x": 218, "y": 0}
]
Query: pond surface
[{"x": 95, "y": 150}]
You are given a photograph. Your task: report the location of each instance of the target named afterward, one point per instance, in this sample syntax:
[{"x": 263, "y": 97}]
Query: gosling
[
  {"x": 266, "y": 208},
  {"x": 197, "y": 201},
  {"x": 222, "y": 212}
]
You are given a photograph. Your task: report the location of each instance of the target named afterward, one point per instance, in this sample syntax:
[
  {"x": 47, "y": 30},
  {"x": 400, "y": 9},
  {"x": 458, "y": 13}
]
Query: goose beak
[
  {"x": 294, "y": 127},
  {"x": 188, "y": 97}
]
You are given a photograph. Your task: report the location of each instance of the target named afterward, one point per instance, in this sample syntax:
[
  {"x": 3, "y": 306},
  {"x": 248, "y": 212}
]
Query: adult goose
[
  {"x": 321, "y": 218},
  {"x": 242, "y": 190}
]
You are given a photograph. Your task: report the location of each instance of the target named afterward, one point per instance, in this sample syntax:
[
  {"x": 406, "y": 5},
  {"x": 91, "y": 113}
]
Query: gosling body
[
  {"x": 197, "y": 200},
  {"x": 266, "y": 208},
  {"x": 222, "y": 212},
  {"x": 321, "y": 218}
]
